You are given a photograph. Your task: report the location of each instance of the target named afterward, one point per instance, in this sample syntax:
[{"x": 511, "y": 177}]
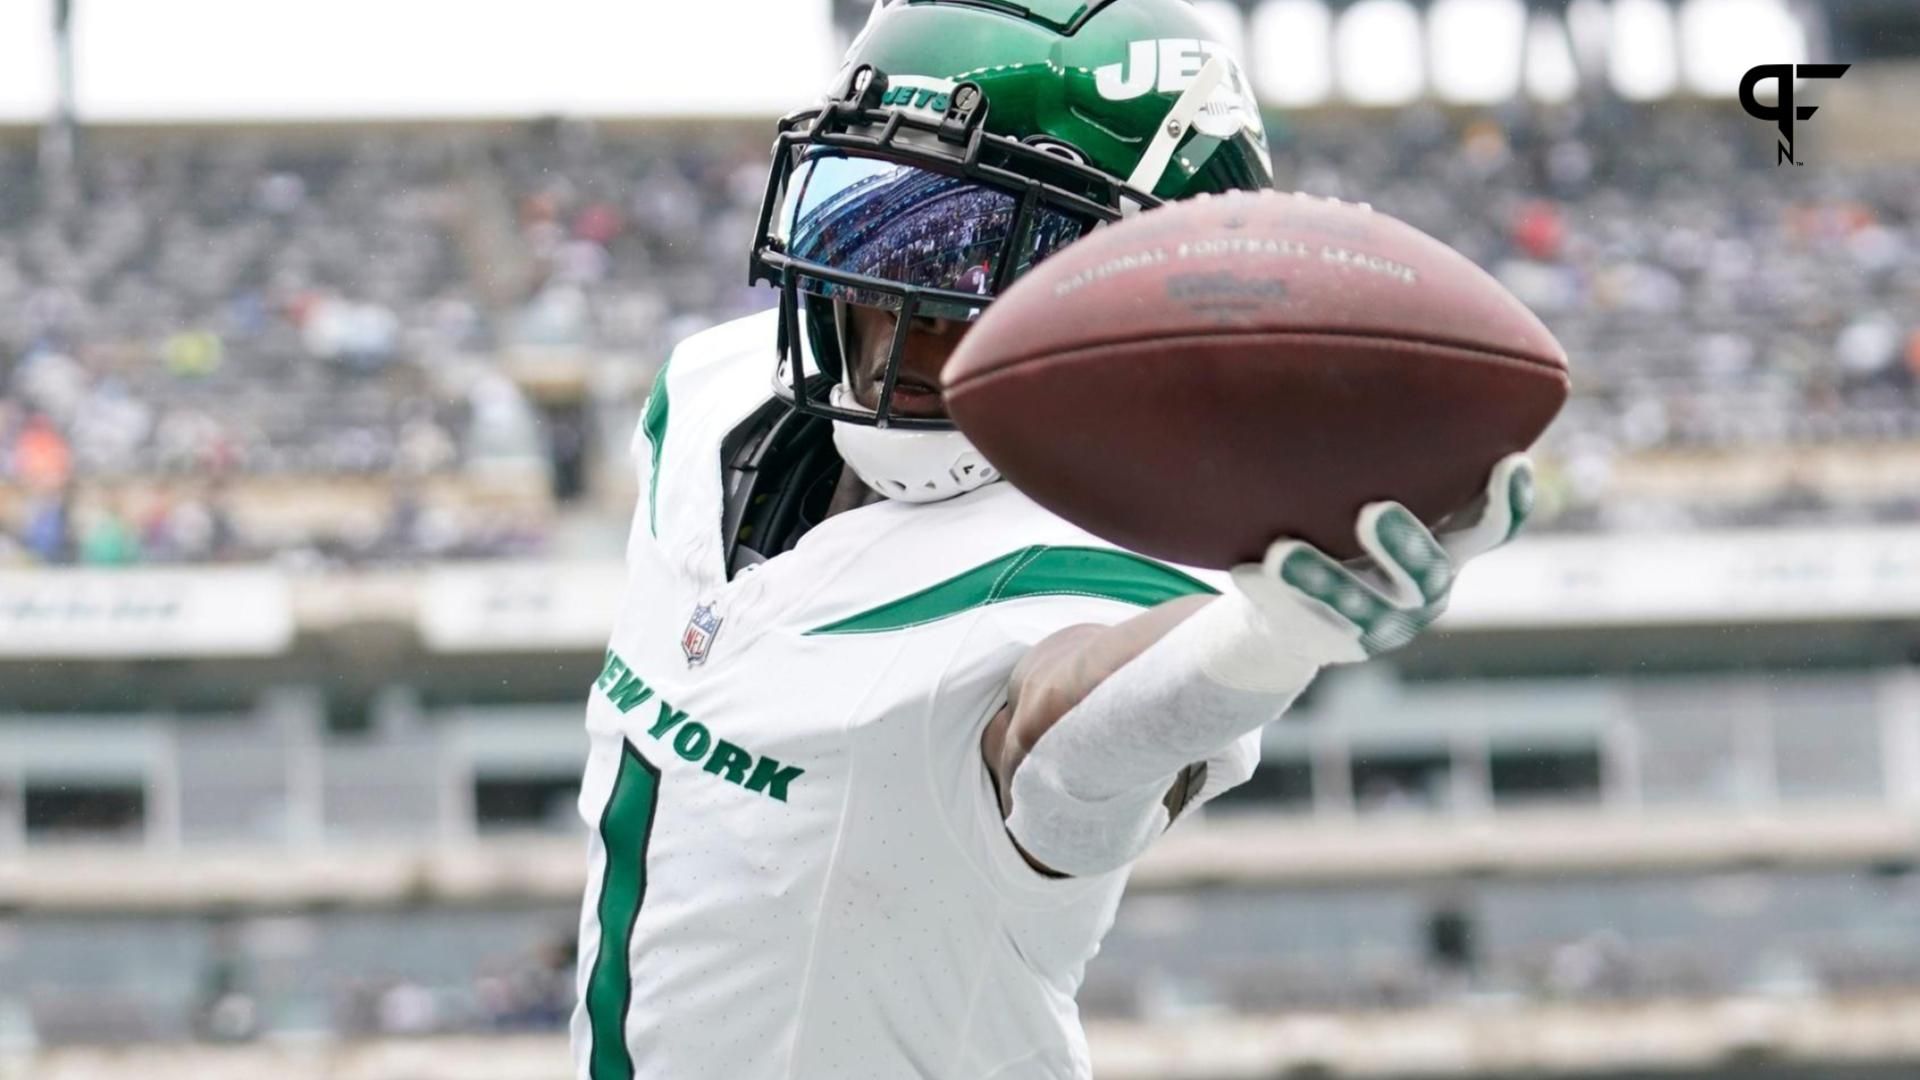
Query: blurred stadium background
[{"x": 323, "y": 328}]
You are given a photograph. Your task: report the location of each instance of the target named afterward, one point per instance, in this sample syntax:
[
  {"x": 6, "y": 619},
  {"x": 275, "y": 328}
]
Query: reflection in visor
[{"x": 909, "y": 226}]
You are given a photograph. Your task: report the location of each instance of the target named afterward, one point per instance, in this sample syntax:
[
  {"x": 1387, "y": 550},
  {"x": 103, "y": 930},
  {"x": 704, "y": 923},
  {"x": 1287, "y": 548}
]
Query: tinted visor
[{"x": 912, "y": 227}]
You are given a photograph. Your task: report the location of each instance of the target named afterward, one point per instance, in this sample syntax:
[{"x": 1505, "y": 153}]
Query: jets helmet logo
[{"x": 1169, "y": 66}]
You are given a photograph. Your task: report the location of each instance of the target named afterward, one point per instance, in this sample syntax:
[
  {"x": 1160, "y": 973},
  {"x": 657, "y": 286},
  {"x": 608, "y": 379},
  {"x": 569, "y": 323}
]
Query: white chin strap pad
[{"x": 911, "y": 466}]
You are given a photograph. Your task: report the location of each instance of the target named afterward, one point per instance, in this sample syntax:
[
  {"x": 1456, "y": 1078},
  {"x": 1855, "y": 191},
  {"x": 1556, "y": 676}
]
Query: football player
[{"x": 877, "y": 738}]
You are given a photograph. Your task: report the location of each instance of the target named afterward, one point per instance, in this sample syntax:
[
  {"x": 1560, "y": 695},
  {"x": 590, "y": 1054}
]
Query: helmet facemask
[{"x": 900, "y": 199}]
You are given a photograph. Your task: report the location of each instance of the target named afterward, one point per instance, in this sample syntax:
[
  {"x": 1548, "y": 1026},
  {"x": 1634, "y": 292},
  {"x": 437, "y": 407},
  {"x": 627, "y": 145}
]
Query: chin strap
[{"x": 911, "y": 466}]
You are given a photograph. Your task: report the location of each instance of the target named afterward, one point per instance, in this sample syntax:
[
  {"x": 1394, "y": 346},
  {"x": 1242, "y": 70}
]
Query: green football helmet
[{"x": 966, "y": 140}]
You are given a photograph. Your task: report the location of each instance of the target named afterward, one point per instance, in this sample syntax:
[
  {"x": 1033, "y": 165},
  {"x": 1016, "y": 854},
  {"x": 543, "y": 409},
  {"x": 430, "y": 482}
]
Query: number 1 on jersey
[{"x": 626, "y": 828}]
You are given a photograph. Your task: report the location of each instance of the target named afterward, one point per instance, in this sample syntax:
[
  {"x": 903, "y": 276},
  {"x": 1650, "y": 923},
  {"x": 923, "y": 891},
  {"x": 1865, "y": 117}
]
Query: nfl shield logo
[{"x": 700, "y": 633}]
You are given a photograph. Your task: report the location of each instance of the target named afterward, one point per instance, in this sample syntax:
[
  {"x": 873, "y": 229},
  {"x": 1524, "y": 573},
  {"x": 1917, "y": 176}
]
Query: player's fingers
[
  {"x": 1515, "y": 475},
  {"x": 1405, "y": 551},
  {"x": 1504, "y": 508},
  {"x": 1309, "y": 572}
]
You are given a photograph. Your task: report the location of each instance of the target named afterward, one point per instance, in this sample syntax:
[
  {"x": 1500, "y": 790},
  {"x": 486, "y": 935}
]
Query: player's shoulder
[
  {"x": 1042, "y": 553},
  {"x": 710, "y": 382},
  {"x": 727, "y": 345},
  {"x": 733, "y": 362},
  {"x": 725, "y": 368},
  {"x": 999, "y": 518},
  {"x": 996, "y": 548}
]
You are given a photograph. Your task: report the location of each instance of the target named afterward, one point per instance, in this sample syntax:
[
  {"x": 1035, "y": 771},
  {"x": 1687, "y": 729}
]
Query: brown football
[{"x": 1207, "y": 377}]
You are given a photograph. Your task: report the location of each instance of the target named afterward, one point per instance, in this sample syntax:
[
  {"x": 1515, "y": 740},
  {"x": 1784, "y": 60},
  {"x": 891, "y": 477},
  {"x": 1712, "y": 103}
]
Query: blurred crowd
[
  {"x": 187, "y": 310},
  {"x": 181, "y": 311}
]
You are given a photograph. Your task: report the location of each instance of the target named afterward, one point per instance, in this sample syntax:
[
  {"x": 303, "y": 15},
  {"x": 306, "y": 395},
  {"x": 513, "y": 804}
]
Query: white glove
[
  {"x": 1088, "y": 797},
  {"x": 1314, "y": 609}
]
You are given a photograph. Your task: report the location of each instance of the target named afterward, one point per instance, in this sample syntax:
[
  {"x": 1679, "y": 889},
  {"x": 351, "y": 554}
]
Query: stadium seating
[{"x": 395, "y": 304}]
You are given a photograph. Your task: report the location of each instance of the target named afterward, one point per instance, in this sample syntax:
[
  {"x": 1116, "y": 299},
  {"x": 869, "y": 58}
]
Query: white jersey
[{"x": 798, "y": 867}]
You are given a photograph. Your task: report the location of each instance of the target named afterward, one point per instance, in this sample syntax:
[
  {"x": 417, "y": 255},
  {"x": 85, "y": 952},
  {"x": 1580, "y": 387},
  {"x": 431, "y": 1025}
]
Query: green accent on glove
[
  {"x": 1347, "y": 612},
  {"x": 1413, "y": 547},
  {"x": 1520, "y": 499},
  {"x": 1379, "y": 624}
]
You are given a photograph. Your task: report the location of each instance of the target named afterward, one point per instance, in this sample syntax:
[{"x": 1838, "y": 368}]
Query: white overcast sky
[{"x": 153, "y": 60}]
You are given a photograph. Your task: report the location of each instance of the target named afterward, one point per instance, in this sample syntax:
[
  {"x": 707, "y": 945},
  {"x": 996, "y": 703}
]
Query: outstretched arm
[
  {"x": 1057, "y": 674},
  {"x": 1088, "y": 755}
]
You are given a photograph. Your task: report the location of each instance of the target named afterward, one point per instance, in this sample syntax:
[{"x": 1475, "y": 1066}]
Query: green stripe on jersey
[
  {"x": 654, "y": 425},
  {"x": 1101, "y": 573},
  {"x": 626, "y": 830}
]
